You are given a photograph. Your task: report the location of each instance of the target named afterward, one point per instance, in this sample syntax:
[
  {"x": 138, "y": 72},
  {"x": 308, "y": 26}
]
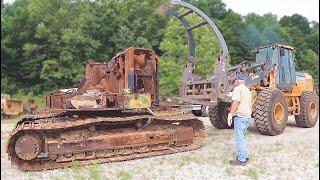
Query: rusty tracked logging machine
[
  {"x": 277, "y": 90},
  {"x": 114, "y": 115}
]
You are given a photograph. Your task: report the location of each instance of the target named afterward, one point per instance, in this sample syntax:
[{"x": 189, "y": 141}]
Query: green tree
[
  {"x": 296, "y": 20},
  {"x": 175, "y": 46},
  {"x": 139, "y": 25},
  {"x": 45, "y": 43},
  {"x": 232, "y": 28},
  {"x": 313, "y": 38},
  {"x": 215, "y": 9},
  {"x": 309, "y": 64}
]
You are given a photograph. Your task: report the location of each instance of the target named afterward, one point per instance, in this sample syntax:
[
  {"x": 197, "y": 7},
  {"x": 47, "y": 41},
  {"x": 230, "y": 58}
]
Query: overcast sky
[{"x": 307, "y": 8}]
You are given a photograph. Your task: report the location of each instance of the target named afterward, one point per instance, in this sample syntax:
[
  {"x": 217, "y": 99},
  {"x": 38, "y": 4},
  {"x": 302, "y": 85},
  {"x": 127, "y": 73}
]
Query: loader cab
[{"x": 282, "y": 57}]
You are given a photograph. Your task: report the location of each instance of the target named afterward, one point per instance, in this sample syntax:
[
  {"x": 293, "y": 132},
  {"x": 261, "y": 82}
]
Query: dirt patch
[{"x": 291, "y": 155}]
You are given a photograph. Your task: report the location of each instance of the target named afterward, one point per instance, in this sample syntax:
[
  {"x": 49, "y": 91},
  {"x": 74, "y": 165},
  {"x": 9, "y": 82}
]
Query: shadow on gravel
[{"x": 292, "y": 124}]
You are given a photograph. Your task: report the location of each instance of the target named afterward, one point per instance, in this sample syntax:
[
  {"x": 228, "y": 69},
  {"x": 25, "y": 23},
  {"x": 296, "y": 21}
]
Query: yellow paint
[
  {"x": 296, "y": 91},
  {"x": 278, "y": 113},
  {"x": 293, "y": 103},
  {"x": 126, "y": 91},
  {"x": 272, "y": 79},
  {"x": 137, "y": 101},
  {"x": 306, "y": 84}
]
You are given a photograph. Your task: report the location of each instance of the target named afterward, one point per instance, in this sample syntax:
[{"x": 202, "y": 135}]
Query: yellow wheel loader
[{"x": 277, "y": 89}]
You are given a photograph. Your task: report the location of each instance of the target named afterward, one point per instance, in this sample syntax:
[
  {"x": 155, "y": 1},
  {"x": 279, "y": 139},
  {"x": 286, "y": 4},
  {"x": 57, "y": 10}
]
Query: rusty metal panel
[
  {"x": 12, "y": 107},
  {"x": 56, "y": 101},
  {"x": 134, "y": 69},
  {"x": 178, "y": 136},
  {"x": 30, "y": 106}
]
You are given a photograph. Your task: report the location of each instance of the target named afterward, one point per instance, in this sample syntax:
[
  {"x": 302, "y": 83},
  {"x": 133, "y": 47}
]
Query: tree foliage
[
  {"x": 175, "y": 46},
  {"x": 45, "y": 43}
]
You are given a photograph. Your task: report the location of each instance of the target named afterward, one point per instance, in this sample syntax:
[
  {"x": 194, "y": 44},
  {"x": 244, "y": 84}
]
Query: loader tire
[
  {"x": 197, "y": 113},
  {"x": 309, "y": 110},
  {"x": 270, "y": 112},
  {"x": 219, "y": 115}
]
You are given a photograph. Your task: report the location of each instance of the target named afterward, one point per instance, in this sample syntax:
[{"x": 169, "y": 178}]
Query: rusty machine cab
[
  {"x": 280, "y": 56},
  {"x": 127, "y": 81}
]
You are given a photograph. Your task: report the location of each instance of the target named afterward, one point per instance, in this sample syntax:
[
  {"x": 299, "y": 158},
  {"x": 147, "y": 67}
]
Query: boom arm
[{"x": 220, "y": 84}]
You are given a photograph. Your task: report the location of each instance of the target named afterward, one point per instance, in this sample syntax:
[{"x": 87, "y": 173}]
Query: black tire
[
  {"x": 219, "y": 115},
  {"x": 197, "y": 113},
  {"x": 309, "y": 110},
  {"x": 270, "y": 112}
]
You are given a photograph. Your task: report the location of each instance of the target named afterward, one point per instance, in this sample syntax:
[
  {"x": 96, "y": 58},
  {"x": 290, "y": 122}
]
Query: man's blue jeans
[{"x": 241, "y": 125}]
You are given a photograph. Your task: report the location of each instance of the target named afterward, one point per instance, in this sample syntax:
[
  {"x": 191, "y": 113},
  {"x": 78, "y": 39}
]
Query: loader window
[
  {"x": 282, "y": 52},
  {"x": 267, "y": 54},
  {"x": 286, "y": 67},
  {"x": 270, "y": 54}
]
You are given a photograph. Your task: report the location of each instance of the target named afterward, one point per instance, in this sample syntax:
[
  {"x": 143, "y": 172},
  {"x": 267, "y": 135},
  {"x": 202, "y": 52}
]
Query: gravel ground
[{"x": 291, "y": 155}]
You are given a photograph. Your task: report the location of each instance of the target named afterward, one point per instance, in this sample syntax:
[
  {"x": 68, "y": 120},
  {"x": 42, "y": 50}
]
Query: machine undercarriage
[{"x": 53, "y": 142}]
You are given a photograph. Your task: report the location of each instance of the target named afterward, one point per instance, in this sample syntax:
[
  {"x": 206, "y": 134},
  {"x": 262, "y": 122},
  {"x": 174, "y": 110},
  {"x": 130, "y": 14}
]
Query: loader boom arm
[
  {"x": 167, "y": 8},
  {"x": 220, "y": 83}
]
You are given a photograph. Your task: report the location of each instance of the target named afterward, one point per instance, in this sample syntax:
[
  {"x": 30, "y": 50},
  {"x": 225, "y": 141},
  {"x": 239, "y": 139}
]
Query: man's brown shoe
[{"x": 238, "y": 163}]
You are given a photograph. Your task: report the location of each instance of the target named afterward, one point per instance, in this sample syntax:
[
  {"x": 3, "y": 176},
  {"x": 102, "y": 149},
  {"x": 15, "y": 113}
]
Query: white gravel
[{"x": 291, "y": 155}]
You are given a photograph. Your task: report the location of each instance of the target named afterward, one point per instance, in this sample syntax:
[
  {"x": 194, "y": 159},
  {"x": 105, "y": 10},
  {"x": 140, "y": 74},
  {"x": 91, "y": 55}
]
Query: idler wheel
[
  {"x": 92, "y": 128},
  {"x": 28, "y": 147}
]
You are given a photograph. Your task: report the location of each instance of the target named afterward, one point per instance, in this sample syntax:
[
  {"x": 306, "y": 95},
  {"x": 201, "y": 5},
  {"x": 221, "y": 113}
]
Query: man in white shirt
[{"x": 241, "y": 112}]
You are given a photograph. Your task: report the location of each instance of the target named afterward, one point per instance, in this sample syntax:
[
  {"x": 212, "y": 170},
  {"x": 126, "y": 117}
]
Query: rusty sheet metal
[
  {"x": 11, "y": 107},
  {"x": 30, "y": 106},
  {"x": 133, "y": 70},
  {"x": 116, "y": 139}
]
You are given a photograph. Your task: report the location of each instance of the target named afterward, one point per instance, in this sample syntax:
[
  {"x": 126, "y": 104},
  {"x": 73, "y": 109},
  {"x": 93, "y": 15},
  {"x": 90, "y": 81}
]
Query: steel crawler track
[{"x": 100, "y": 139}]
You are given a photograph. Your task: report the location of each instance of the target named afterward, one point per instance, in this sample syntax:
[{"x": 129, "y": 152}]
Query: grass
[
  {"x": 212, "y": 160},
  {"x": 40, "y": 100},
  {"x": 124, "y": 175},
  {"x": 262, "y": 170},
  {"x": 249, "y": 135},
  {"x": 75, "y": 167},
  {"x": 184, "y": 160},
  {"x": 95, "y": 172},
  {"x": 229, "y": 171},
  {"x": 127, "y": 174},
  {"x": 275, "y": 148},
  {"x": 255, "y": 172},
  {"x": 224, "y": 159},
  {"x": 59, "y": 177},
  {"x": 64, "y": 176},
  {"x": 251, "y": 172}
]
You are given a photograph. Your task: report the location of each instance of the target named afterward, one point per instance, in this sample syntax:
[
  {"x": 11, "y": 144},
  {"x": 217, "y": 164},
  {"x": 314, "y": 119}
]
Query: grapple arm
[{"x": 219, "y": 82}]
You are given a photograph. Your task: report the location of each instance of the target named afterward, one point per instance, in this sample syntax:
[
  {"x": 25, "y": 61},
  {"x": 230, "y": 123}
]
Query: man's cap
[{"x": 240, "y": 77}]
